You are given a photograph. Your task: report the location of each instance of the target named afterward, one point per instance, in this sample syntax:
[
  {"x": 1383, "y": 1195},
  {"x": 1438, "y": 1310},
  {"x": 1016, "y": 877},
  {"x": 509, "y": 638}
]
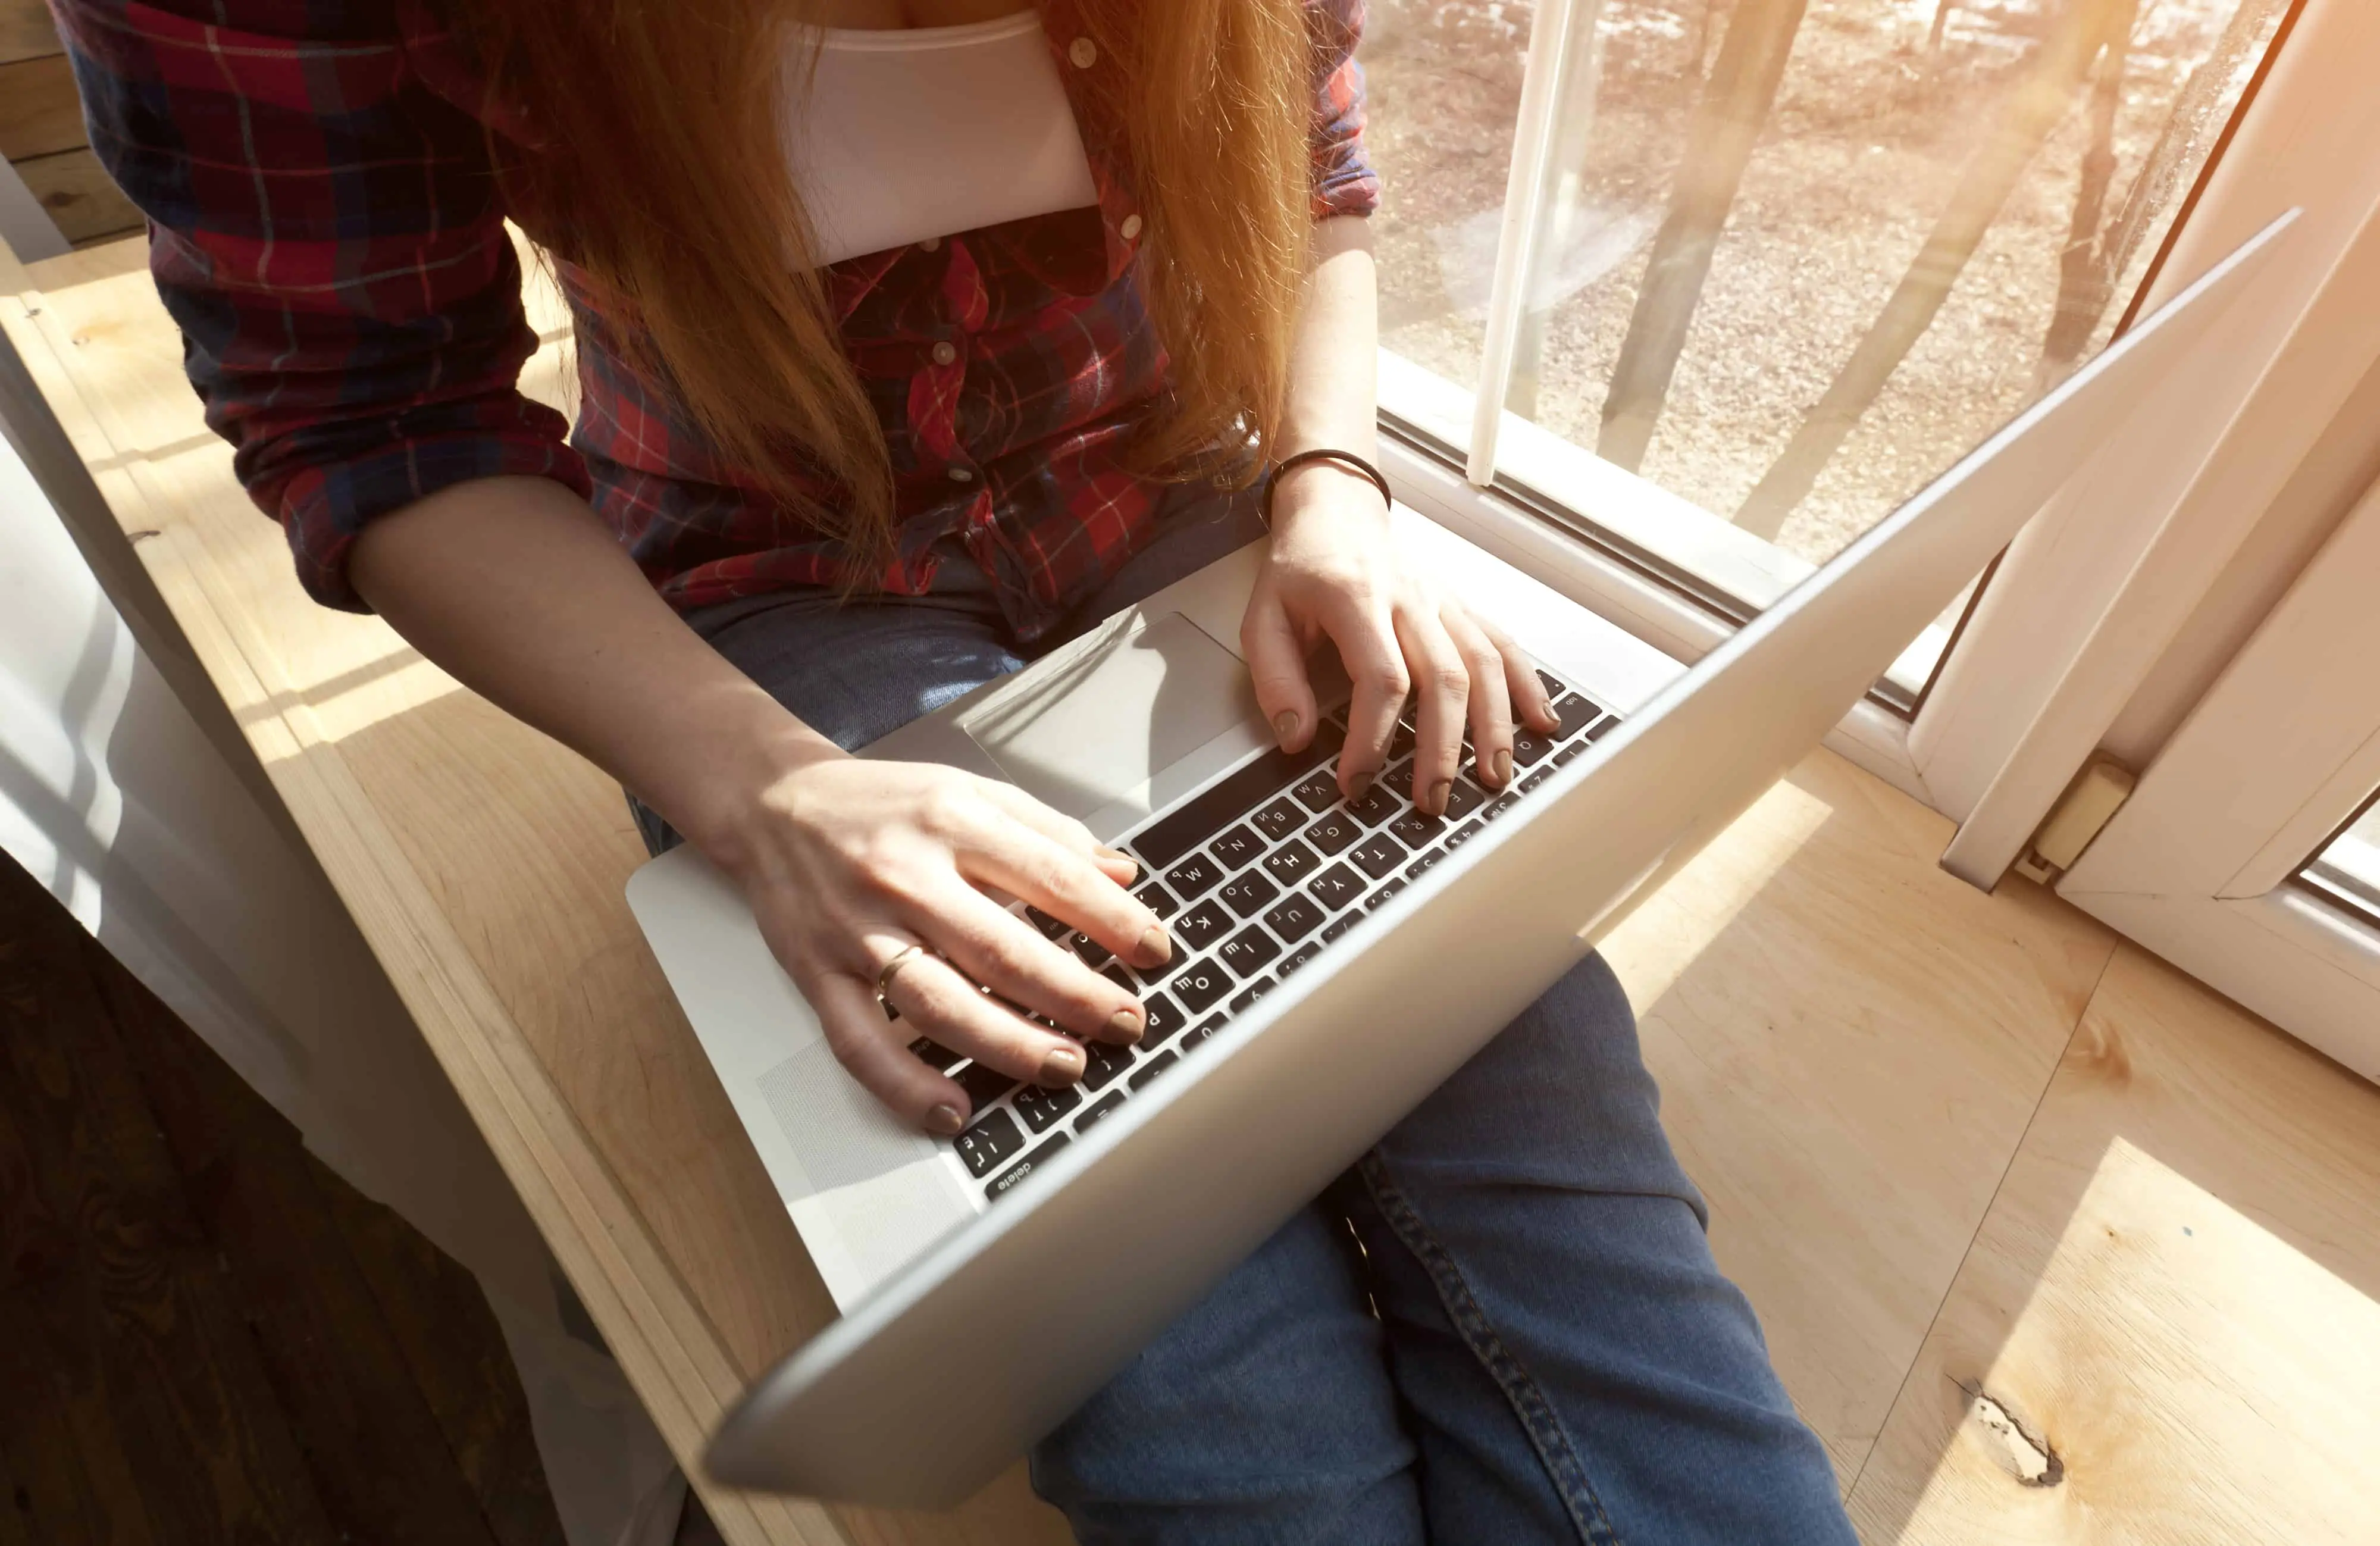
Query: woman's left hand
[{"x": 1335, "y": 570}]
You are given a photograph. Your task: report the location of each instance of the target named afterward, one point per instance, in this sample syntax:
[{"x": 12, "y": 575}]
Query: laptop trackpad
[{"x": 1091, "y": 722}]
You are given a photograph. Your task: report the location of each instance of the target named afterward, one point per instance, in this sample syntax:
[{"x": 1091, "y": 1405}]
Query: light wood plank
[
  {"x": 40, "y": 112},
  {"x": 26, "y": 31},
  {"x": 73, "y": 187},
  {"x": 2176, "y": 1294},
  {"x": 1848, "y": 1042}
]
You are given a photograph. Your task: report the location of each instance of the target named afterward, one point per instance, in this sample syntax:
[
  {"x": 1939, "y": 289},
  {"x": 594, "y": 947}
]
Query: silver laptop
[{"x": 1333, "y": 962}]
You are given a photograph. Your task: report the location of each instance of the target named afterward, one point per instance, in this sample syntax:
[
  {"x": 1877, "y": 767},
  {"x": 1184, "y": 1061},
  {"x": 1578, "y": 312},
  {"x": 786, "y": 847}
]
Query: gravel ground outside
[{"x": 1867, "y": 141}]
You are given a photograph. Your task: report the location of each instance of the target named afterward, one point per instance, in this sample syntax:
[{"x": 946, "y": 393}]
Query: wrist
[
  {"x": 1331, "y": 485},
  {"x": 741, "y": 780}
]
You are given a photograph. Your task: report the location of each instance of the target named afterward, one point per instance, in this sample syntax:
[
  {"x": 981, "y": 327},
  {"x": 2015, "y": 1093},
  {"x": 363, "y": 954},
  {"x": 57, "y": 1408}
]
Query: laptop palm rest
[{"x": 1103, "y": 722}]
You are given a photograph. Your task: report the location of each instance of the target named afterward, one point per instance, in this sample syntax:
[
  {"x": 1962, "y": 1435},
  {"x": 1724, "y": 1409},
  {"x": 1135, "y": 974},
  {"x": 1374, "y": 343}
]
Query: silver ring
[{"x": 884, "y": 978}]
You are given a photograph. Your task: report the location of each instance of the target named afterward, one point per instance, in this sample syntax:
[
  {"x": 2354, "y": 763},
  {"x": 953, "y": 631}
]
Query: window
[{"x": 1785, "y": 259}]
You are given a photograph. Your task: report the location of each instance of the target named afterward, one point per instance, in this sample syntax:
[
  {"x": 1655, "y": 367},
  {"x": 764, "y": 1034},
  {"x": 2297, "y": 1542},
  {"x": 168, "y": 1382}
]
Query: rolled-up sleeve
[
  {"x": 1344, "y": 182},
  {"x": 328, "y": 234}
]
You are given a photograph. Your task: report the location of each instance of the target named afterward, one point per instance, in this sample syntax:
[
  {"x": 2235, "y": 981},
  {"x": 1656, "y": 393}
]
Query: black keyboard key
[
  {"x": 1200, "y": 1031},
  {"x": 1194, "y": 877},
  {"x": 1198, "y": 987},
  {"x": 1563, "y": 758},
  {"x": 1603, "y": 727},
  {"x": 1250, "y": 994},
  {"x": 1373, "y": 903},
  {"x": 1291, "y": 863},
  {"x": 1103, "y": 1109},
  {"x": 1575, "y": 713},
  {"x": 1529, "y": 749},
  {"x": 990, "y": 1143},
  {"x": 1047, "y": 925},
  {"x": 1297, "y": 917},
  {"x": 1280, "y": 818},
  {"x": 1153, "y": 1067},
  {"x": 1466, "y": 832},
  {"x": 1298, "y": 958},
  {"x": 1554, "y": 689},
  {"x": 983, "y": 1085},
  {"x": 1318, "y": 790},
  {"x": 1001, "y": 1184},
  {"x": 1094, "y": 955},
  {"x": 1102, "y": 1061},
  {"x": 1381, "y": 857},
  {"x": 1202, "y": 925},
  {"x": 1345, "y": 922},
  {"x": 1398, "y": 781},
  {"x": 1041, "y": 1107},
  {"x": 1199, "y": 818},
  {"x": 1336, "y": 886},
  {"x": 934, "y": 1055},
  {"x": 1159, "y": 900},
  {"x": 1500, "y": 805},
  {"x": 1246, "y": 952},
  {"x": 1163, "y": 1019},
  {"x": 1377, "y": 805},
  {"x": 1246, "y": 893},
  {"x": 1413, "y": 870},
  {"x": 1114, "y": 971},
  {"x": 1539, "y": 776},
  {"x": 1236, "y": 846},
  {"x": 1462, "y": 798},
  {"x": 1334, "y": 832},
  {"x": 1413, "y": 829}
]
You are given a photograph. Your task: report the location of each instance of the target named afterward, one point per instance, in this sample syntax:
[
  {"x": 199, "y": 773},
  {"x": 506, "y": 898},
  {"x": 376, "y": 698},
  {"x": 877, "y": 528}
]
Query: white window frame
[{"x": 2200, "y": 865}]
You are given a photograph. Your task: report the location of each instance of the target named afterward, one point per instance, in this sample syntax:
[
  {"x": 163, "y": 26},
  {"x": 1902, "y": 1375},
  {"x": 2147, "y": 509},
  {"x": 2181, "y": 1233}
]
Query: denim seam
[{"x": 1546, "y": 1436}]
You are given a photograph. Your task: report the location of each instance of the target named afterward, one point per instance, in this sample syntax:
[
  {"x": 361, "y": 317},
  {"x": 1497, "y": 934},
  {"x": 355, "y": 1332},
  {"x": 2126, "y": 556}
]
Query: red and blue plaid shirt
[{"x": 326, "y": 229}]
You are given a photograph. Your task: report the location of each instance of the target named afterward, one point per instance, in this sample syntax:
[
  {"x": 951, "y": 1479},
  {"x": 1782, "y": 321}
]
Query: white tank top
[{"x": 929, "y": 131}]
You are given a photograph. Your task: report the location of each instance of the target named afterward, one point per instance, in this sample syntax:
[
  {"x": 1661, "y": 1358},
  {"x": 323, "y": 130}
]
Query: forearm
[
  {"x": 1333, "y": 356},
  {"x": 514, "y": 587}
]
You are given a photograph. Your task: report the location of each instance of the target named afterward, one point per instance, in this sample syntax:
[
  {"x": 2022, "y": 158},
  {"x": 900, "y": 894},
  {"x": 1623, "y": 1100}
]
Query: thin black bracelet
[{"x": 1348, "y": 460}]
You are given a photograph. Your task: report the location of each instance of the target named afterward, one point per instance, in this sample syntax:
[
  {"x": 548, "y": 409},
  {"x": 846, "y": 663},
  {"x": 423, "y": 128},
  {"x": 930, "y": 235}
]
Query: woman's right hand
[{"x": 848, "y": 863}]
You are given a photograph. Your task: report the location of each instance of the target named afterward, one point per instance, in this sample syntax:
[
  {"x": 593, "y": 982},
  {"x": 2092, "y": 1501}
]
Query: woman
[{"x": 871, "y": 415}]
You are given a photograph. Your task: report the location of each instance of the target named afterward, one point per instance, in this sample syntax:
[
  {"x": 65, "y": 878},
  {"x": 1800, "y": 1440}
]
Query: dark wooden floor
[{"x": 204, "y": 1334}]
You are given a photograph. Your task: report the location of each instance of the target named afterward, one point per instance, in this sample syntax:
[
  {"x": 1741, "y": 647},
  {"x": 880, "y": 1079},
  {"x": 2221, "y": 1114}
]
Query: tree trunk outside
[{"x": 1727, "y": 122}]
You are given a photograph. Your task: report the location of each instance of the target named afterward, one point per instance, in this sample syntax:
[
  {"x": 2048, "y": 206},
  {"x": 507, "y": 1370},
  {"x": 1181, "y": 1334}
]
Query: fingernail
[
  {"x": 1503, "y": 765},
  {"x": 1156, "y": 947},
  {"x": 945, "y": 1120},
  {"x": 1062, "y": 1067},
  {"x": 1127, "y": 1025},
  {"x": 1358, "y": 784},
  {"x": 1438, "y": 797},
  {"x": 1284, "y": 726}
]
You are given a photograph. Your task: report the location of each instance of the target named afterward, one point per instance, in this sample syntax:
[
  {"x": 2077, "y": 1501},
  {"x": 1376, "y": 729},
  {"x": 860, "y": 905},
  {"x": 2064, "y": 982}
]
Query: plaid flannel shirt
[{"x": 326, "y": 229}]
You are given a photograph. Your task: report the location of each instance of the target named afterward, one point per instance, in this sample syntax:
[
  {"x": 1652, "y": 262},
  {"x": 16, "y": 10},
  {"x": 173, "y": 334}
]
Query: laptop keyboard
[{"x": 1255, "y": 876}]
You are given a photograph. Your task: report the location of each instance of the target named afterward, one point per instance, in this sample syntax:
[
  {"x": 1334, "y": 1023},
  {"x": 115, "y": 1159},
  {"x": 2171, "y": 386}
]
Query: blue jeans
[{"x": 1503, "y": 1326}]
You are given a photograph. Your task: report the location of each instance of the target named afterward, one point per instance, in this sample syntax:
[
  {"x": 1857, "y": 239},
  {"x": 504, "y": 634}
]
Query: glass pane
[
  {"x": 1443, "y": 89},
  {"x": 2348, "y": 868},
  {"x": 1798, "y": 258}
]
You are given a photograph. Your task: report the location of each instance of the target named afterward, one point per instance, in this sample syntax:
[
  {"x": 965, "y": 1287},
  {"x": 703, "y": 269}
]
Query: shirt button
[
  {"x": 961, "y": 475},
  {"x": 931, "y": 244},
  {"x": 1130, "y": 226},
  {"x": 944, "y": 354},
  {"x": 1084, "y": 53}
]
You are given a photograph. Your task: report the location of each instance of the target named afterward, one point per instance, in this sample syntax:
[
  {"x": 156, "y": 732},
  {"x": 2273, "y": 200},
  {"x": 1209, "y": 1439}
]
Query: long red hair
[{"x": 657, "y": 169}]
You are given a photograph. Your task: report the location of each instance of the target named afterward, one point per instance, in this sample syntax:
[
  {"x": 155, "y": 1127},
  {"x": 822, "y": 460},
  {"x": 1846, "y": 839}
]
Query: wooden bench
[{"x": 484, "y": 863}]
